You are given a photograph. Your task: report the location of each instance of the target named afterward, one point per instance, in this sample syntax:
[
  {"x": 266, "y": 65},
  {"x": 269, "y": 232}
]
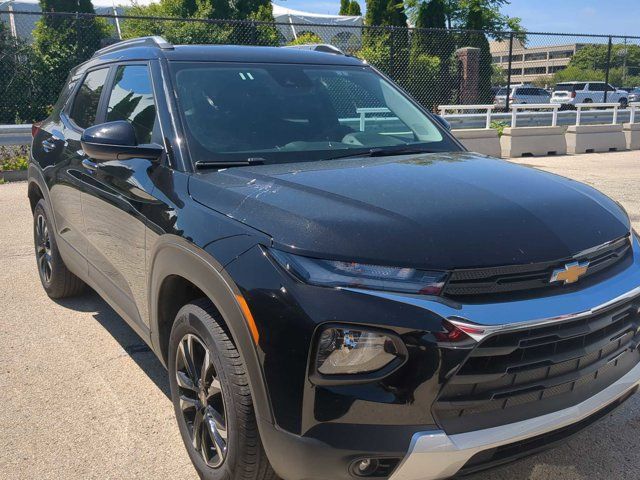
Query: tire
[
  {"x": 624, "y": 103},
  {"x": 55, "y": 277},
  {"x": 223, "y": 399}
]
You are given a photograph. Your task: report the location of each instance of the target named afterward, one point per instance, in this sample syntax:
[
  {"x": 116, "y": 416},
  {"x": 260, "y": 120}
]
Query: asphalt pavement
[{"x": 82, "y": 397}]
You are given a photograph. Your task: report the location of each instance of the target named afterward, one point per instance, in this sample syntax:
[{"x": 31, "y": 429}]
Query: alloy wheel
[
  {"x": 201, "y": 400},
  {"x": 43, "y": 248}
]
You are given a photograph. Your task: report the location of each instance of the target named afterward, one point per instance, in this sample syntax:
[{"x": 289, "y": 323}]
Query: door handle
[
  {"x": 51, "y": 143},
  {"x": 48, "y": 145},
  {"x": 89, "y": 165}
]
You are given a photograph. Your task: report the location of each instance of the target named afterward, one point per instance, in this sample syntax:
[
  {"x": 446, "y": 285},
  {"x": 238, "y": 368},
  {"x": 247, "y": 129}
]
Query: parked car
[
  {"x": 521, "y": 94},
  {"x": 634, "y": 95},
  {"x": 570, "y": 93},
  {"x": 337, "y": 288}
]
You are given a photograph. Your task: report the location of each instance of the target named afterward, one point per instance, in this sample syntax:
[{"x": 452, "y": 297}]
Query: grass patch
[{"x": 14, "y": 158}]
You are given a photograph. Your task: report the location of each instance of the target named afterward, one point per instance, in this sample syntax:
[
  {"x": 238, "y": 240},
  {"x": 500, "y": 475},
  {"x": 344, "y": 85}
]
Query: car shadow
[{"x": 128, "y": 339}]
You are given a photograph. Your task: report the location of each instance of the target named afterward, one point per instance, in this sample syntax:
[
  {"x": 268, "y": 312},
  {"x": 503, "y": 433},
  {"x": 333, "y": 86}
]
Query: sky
[{"x": 570, "y": 16}]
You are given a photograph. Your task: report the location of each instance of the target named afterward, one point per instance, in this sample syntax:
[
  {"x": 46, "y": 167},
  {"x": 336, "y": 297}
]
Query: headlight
[
  {"x": 331, "y": 273},
  {"x": 344, "y": 351}
]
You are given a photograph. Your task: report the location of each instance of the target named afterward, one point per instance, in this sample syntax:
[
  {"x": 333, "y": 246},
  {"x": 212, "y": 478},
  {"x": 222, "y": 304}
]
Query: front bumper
[{"x": 435, "y": 455}]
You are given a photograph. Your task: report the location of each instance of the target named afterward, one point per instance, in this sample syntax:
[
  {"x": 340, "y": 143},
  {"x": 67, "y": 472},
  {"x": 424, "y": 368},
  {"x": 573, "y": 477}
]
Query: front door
[{"x": 118, "y": 195}]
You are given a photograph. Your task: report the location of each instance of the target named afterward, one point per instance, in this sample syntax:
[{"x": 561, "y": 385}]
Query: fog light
[
  {"x": 344, "y": 351},
  {"x": 374, "y": 467},
  {"x": 366, "y": 467}
]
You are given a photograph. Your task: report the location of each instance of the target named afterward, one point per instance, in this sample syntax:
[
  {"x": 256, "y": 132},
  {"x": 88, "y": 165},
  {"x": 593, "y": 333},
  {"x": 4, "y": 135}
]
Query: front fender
[{"x": 174, "y": 255}]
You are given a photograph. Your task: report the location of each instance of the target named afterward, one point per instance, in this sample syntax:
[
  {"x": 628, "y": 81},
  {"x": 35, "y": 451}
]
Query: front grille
[
  {"x": 522, "y": 374},
  {"x": 513, "y": 278}
]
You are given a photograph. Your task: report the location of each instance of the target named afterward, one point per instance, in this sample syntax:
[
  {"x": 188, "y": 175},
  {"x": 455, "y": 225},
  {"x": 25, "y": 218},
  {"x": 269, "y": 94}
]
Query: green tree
[
  {"x": 203, "y": 31},
  {"x": 595, "y": 57},
  {"x": 63, "y": 41},
  {"x": 306, "y": 39},
  {"x": 344, "y": 7},
  {"x": 386, "y": 48},
  {"x": 354, "y": 9},
  {"x": 20, "y": 84},
  {"x": 499, "y": 76},
  {"x": 431, "y": 57}
]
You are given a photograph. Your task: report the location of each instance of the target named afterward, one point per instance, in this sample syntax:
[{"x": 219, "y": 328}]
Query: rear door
[
  {"x": 59, "y": 145},
  {"x": 119, "y": 192}
]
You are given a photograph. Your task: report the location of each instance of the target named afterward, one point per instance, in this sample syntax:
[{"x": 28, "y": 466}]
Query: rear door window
[{"x": 85, "y": 105}]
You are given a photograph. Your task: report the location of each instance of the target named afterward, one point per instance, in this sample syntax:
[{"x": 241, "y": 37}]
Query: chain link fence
[{"x": 436, "y": 67}]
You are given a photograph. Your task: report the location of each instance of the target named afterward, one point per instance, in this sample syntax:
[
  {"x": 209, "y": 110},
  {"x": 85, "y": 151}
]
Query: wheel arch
[{"x": 183, "y": 271}]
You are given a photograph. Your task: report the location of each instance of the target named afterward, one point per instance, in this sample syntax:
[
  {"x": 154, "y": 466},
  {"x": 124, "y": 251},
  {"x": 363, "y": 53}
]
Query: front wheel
[
  {"x": 624, "y": 103},
  {"x": 211, "y": 398}
]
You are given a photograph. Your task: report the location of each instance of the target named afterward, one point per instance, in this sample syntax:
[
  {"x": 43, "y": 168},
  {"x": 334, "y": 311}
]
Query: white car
[
  {"x": 521, "y": 94},
  {"x": 570, "y": 93}
]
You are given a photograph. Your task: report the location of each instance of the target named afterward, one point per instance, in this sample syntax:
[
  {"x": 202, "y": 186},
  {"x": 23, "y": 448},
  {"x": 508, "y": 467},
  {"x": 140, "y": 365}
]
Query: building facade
[{"x": 532, "y": 63}]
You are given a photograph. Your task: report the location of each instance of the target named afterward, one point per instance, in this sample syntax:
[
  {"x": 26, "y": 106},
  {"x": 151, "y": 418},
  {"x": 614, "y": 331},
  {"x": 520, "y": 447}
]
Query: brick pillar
[{"x": 469, "y": 65}]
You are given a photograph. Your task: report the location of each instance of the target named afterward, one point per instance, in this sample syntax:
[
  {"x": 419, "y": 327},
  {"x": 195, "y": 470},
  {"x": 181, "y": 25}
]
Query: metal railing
[
  {"x": 535, "y": 106},
  {"x": 633, "y": 106},
  {"x": 581, "y": 106},
  {"x": 443, "y": 109}
]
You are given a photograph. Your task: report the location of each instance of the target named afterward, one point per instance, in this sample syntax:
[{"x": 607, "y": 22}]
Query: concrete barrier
[
  {"x": 533, "y": 141},
  {"x": 632, "y": 135},
  {"x": 595, "y": 138},
  {"x": 480, "y": 140},
  {"x": 524, "y": 141},
  {"x": 632, "y": 129}
]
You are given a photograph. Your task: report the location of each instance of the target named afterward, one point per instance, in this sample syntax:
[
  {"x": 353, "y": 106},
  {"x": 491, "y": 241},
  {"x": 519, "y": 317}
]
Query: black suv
[{"x": 337, "y": 288}]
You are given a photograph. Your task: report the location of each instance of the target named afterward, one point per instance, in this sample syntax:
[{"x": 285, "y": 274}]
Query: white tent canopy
[{"x": 288, "y": 15}]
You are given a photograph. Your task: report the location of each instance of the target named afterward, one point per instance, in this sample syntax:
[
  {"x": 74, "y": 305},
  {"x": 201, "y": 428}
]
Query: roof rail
[
  {"x": 152, "y": 41},
  {"x": 319, "y": 47}
]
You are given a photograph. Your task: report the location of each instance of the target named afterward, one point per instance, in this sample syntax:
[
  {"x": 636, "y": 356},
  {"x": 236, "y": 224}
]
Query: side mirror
[
  {"x": 443, "y": 123},
  {"x": 116, "y": 141}
]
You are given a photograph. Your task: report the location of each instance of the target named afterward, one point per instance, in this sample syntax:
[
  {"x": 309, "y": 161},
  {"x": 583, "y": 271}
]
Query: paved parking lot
[{"x": 82, "y": 397}]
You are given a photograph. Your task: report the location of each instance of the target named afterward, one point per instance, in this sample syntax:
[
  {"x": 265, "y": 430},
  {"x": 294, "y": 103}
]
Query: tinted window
[
  {"x": 570, "y": 87},
  {"x": 85, "y": 106},
  {"x": 596, "y": 87},
  {"x": 131, "y": 99},
  {"x": 234, "y": 112}
]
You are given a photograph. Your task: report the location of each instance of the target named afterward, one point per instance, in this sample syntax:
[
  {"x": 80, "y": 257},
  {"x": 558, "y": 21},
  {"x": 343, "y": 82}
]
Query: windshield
[{"x": 275, "y": 112}]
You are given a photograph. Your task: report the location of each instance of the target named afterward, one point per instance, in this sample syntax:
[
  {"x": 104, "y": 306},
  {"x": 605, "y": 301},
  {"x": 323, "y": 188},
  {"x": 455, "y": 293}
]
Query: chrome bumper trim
[{"x": 435, "y": 455}]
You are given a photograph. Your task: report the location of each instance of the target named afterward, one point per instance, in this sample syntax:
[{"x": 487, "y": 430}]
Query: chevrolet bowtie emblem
[{"x": 570, "y": 273}]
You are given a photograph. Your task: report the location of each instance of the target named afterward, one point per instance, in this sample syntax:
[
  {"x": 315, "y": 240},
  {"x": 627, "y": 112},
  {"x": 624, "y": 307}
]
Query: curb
[{"x": 14, "y": 175}]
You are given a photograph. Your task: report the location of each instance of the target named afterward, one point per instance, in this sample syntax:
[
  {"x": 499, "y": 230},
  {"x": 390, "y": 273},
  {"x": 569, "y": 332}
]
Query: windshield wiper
[
  {"x": 230, "y": 164},
  {"x": 384, "y": 152}
]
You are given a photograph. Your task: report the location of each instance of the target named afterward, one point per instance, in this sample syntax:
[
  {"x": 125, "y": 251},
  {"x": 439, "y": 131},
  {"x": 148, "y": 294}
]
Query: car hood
[{"x": 437, "y": 210}]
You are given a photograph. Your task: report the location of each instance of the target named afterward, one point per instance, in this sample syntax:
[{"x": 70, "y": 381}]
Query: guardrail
[
  {"x": 534, "y": 106},
  {"x": 537, "y": 118},
  {"x": 443, "y": 109},
  {"x": 579, "y": 106},
  {"x": 15, "y": 134}
]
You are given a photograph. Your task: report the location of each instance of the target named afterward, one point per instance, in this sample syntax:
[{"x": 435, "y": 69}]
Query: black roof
[{"x": 228, "y": 53}]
